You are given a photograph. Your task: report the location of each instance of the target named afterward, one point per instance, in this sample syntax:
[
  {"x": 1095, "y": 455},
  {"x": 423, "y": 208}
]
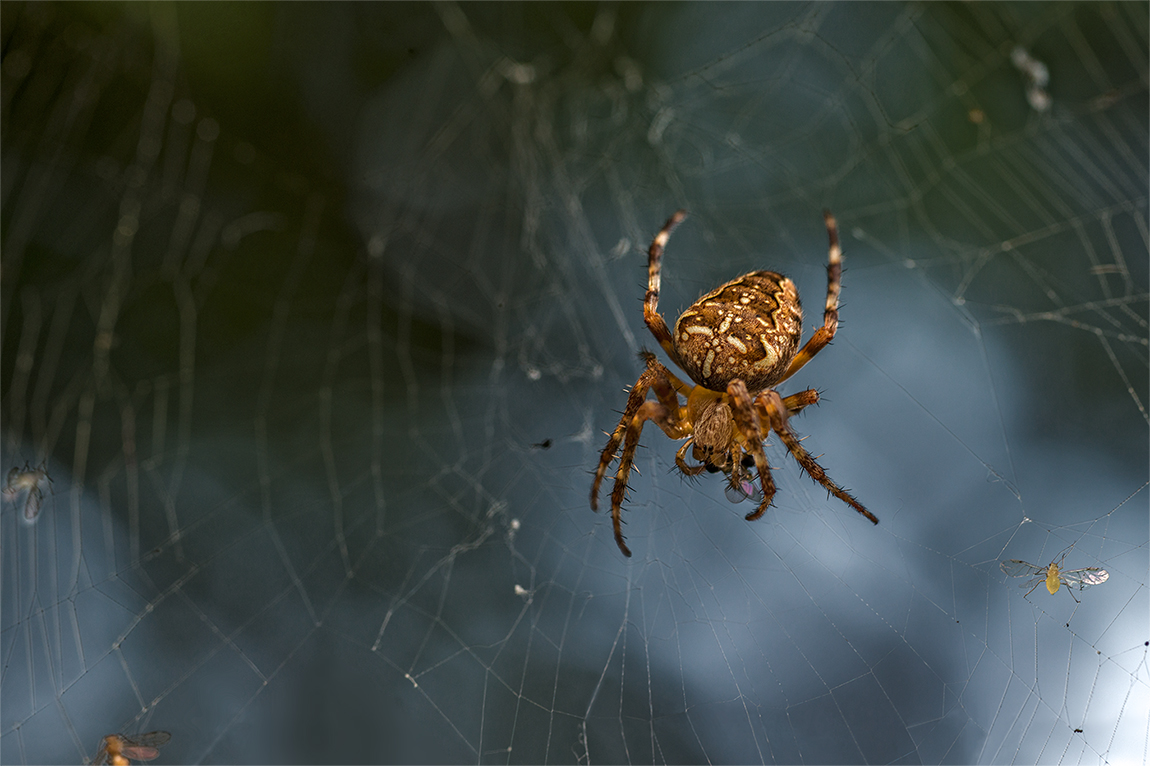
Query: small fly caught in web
[
  {"x": 120, "y": 750},
  {"x": 33, "y": 481},
  {"x": 1055, "y": 576},
  {"x": 741, "y": 485}
]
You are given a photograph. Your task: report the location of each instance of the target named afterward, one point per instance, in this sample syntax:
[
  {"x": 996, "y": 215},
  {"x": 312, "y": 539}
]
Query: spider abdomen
[{"x": 748, "y": 328}]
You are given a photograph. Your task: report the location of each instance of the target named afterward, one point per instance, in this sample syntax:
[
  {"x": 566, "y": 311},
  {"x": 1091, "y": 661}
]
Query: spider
[{"x": 736, "y": 344}]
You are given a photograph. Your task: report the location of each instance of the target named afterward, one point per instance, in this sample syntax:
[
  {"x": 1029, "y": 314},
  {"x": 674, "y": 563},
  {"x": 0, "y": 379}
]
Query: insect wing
[
  {"x": 33, "y": 503},
  {"x": 12, "y": 485},
  {"x": 745, "y": 491},
  {"x": 143, "y": 747},
  {"x": 152, "y": 740},
  {"x": 741, "y": 484},
  {"x": 1084, "y": 578},
  {"x": 735, "y": 494},
  {"x": 1017, "y": 568},
  {"x": 136, "y": 753}
]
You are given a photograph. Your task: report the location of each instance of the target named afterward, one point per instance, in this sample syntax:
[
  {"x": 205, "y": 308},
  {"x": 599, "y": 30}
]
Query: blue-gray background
[{"x": 316, "y": 314}]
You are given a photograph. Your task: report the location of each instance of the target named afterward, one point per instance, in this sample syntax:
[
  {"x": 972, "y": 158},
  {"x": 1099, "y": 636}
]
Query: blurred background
[{"x": 314, "y": 316}]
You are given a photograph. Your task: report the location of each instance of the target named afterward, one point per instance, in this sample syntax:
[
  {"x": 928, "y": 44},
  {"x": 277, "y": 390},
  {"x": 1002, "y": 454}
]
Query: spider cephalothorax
[{"x": 736, "y": 343}]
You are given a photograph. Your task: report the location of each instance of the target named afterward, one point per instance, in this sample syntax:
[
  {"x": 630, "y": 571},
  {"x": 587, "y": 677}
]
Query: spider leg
[
  {"x": 665, "y": 419},
  {"x": 655, "y": 376},
  {"x": 651, "y": 360},
  {"x": 651, "y": 316},
  {"x": 826, "y": 333},
  {"x": 664, "y": 383},
  {"x": 634, "y": 401},
  {"x": 666, "y": 413},
  {"x": 771, "y": 404},
  {"x": 681, "y": 460},
  {"x": 796, "y": 402},
  {"x": 747, "y": 421}
]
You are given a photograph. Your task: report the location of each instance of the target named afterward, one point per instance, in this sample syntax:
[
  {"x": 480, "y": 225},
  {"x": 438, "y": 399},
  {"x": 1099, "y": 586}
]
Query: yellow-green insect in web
[{"x": 1054, "y": 575}]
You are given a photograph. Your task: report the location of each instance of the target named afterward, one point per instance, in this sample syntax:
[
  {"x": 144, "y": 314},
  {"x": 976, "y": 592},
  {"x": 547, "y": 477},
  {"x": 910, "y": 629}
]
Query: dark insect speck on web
[{"x": 545, "y": 444}]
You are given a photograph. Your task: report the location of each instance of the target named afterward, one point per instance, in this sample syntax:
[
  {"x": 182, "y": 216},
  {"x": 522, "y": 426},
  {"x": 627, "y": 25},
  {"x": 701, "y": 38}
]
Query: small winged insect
[
  {"x": 741, "y": 485},
  {"x": 1037, "y": 78},
  {"x": 1054, "y": 575},
  {"x": 31, "y": 481},
  {"x": 120, "y": 750}
]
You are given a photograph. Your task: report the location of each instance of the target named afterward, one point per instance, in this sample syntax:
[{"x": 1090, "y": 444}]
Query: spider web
[{"x": 315, "y": 318}]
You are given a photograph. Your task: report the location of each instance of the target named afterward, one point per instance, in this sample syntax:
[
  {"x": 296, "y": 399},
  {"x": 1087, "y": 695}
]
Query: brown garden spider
[{"x": 736, "y": 343}]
